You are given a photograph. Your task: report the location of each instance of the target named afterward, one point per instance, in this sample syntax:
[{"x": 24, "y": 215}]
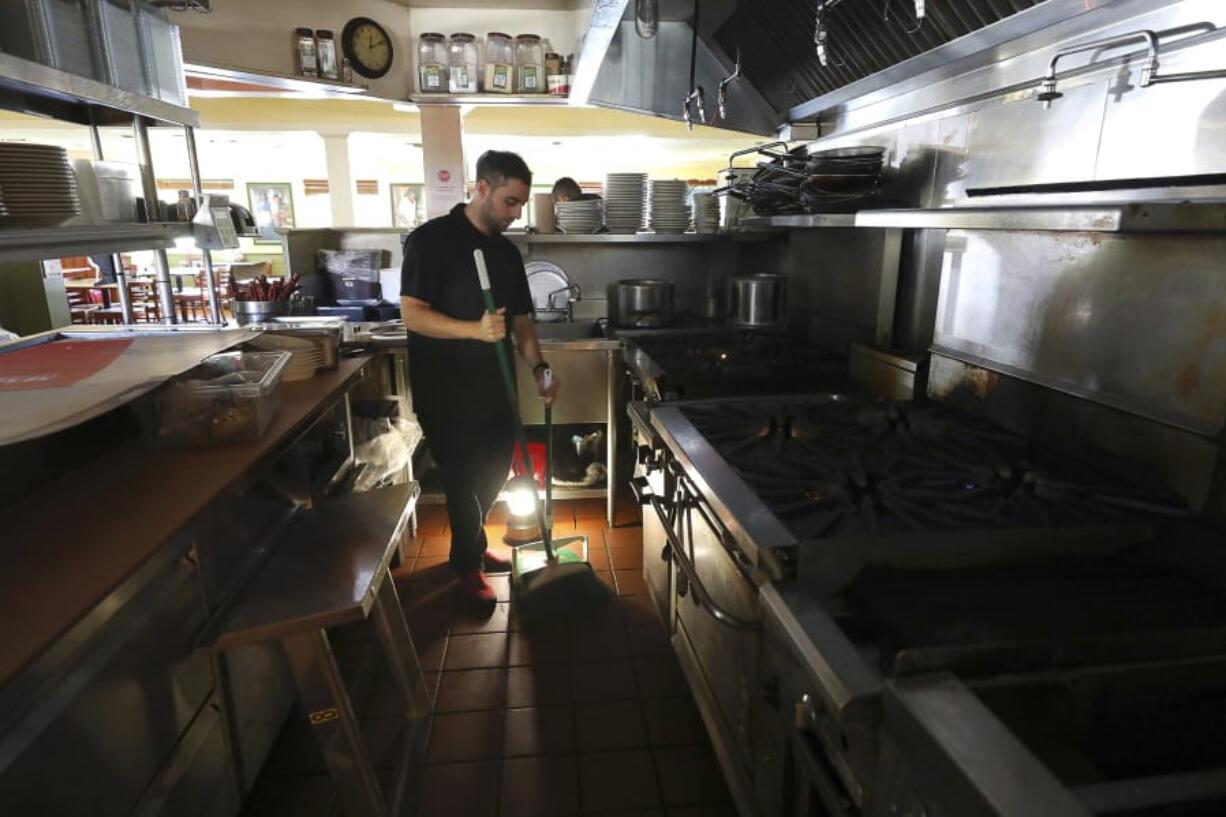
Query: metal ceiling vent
[{"x": 797, "y": 50}]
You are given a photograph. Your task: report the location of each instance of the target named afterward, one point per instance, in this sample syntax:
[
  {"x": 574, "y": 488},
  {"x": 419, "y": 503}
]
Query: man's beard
[{"x": 487, "y": 215}]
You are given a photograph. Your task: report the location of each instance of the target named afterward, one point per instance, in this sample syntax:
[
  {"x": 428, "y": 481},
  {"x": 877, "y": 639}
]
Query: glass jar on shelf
[
  {"x": 325, "y": 46},
  {"x": 499, "y": 63},
  {"x": 305, "y": 54},
  {"x": 462, "y": 64},
  {"x": 432, "y": 63},
  {"x": 529, "y": 64}
]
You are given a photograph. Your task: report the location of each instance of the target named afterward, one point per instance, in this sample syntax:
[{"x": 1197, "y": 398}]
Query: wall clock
[{"x": 368, "y": 47}]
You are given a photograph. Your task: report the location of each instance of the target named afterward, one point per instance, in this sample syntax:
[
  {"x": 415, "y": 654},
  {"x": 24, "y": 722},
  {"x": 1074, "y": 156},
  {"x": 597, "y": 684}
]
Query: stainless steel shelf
[
  {"x": 17, "y": 244},
  {"x": 29, "y": 87},
  {"x": 487, "y": 99},
  {"x": 1139, "y": 217},
  {"x": 636, "y": 238},
  {"x": 802, "y": 222}
]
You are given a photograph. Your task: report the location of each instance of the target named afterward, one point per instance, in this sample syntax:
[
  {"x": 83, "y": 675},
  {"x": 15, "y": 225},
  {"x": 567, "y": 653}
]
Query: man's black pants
[{"x": 474, "y": 455}]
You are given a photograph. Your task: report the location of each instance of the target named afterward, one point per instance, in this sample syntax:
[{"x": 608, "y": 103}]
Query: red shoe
[
  {"x": 496, "y": 563},
  {"x": 474, "y": 587}
]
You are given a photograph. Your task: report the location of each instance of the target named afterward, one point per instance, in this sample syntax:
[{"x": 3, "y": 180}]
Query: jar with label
[
  {"x": 529, "y": 64},
  {"x": 305, "y": 61},
  {"x": 432, "y": 63},
  {"x": 553, "y": 72},
  {"x": 462, "y": 64},
  {"x": 499, "y": 63},
  {"x": 329, "y": 68}
]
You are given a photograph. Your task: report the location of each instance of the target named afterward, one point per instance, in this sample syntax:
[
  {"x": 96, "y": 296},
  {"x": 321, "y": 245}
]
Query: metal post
[
  {"x": 611, "y": 433},
  {"x": 121, "y": 277},
  {"x": 140, "y": 132},
  {"x": 210, "y": 277}
]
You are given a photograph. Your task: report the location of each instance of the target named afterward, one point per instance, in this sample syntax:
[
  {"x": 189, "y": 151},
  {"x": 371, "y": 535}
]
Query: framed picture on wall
[
  {"x": 272, "y": 206},
  {"x": 408, "y": 205}
]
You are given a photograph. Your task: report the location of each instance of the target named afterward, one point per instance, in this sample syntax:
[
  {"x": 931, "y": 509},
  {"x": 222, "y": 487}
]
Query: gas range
[{"x": 898, "y": 552}]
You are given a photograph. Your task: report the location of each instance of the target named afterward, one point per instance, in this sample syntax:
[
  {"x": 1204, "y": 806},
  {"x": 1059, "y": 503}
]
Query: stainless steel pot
[
  {"x": 643, "y": 302},
  {"x": 757, "y": 301}
]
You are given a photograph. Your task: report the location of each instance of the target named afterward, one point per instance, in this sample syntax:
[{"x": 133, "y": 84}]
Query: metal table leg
[
  {"x": 398, "y": 646},
  {"x": 333, "y": 721}
]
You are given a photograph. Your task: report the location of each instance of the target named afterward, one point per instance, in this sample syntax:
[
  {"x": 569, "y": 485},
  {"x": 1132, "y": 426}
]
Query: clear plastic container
[
  {"x": 462, "y": 68},
  {"x": 229, "y": 398},
  {"x": 529, "y": 64},
  {"x": 432, "y": 63},
  {"x": 499, "y": 76}
]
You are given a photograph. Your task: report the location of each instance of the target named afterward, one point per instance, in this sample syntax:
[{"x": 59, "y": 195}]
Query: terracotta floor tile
[
  {"x": 624, "y": 537},
  {"x": 627, "y": 557},
  {"x": 429, "y": 617},
  {"x": 589, "y": 509},
  {"x": 430, "y": 651},
  {"x": 469, "y": 690},
  {"x": 431, "y": 519},
  {"x": 607, "y": 577},
  {"x": 539, "y": 787},
  {"x": 649, "y": 641},
  {"x": 382, "y": 736},
  {"x": 313, "y": 796},
  {"x": 498, "y": 514},
  {"x": 385, "y": 700},
  {"x": 705, "y": 810},
  {"x": 465, "y": 736},
  {"x": 496, "y": 535},
  {"x": 412, "y": 545},
  {"x": 476, "y": 651},
  {"x": 599, "y": 645},
  {"x": 599, "y": 617},
  {"x": 608, "y": 725},
  {"x": 546, "y": 730},
  {"x": 673, "y": 721},
  {"x": 435, "y": 545},
  {"x": 690, "y": 775},
  {"x": 618, "y": 780},
  {"x": 630, "y": 582},
  {"x": 639, "y": 610},
  {"x": 603, "y": 681},
  {"x": 538, "y": 685},
  {"x": 469, "y": 622},
  {"x": 538, "y": 647},
  {"x": 659, "y": 676},
  {"x": 460, "y": 790}
]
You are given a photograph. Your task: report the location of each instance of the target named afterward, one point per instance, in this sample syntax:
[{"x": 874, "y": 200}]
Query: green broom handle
[{"x": 508, "y": 380}]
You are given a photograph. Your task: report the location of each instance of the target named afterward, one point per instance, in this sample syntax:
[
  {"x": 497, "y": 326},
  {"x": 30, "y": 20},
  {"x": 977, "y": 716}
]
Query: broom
[{"x": 553, "y": 585}]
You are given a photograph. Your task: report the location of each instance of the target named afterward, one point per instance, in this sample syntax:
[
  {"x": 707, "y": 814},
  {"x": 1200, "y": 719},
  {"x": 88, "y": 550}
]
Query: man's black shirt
[{"x": 459, "y": 375}]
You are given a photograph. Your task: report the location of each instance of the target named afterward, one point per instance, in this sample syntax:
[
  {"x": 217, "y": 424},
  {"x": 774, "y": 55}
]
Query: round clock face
[{"x": 368, "y": 47}]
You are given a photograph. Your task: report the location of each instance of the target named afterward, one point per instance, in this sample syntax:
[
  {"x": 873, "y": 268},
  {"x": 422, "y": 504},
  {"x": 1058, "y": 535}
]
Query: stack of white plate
[
  {"x": 582, "y": 217},
  {"x": 625, "y": 201},
  {"x": 305, "y": 356},
  {"x": 37, "y": 185},
  {"x": 706, "y": 213},
  {"x": 669, "y": 211}
]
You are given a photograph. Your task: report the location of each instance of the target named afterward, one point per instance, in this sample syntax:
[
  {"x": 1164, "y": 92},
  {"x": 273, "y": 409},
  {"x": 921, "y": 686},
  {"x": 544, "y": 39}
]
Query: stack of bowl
[
  {"x": 669, "y": 211},
  {"x": 625, "y": 202},
  {"x": 37, "y": 185}
]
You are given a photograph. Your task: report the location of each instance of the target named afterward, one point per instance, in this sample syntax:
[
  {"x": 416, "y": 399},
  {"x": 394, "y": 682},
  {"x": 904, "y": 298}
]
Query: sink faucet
[{"x": 573, "y": 294}]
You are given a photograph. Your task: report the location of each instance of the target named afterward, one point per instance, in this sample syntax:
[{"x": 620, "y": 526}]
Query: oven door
[
  {"x": 718, "y": 624},
  {"x": 650, "y": 480}
]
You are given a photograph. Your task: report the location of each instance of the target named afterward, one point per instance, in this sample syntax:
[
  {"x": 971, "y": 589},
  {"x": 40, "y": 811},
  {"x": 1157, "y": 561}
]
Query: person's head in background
[
  {"x": 504, "y": 184},
  {"x": 566, "y": 189}
]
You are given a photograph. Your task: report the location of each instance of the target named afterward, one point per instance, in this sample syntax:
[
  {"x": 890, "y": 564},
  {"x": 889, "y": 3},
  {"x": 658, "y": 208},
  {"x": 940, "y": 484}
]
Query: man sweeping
[{"x": 454, "y": 376}]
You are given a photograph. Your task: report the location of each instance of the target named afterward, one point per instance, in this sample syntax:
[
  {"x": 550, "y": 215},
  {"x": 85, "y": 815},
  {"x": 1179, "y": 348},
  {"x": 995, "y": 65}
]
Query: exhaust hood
[{"x": 782, "y": 74}]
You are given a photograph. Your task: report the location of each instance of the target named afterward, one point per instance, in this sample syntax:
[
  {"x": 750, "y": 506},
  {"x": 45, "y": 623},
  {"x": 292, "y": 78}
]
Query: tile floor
[{"x": 588, "y": 715}]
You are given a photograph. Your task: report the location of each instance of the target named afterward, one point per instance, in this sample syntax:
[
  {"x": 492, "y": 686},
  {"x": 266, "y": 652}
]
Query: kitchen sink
[{"x": 570, "y": 330}]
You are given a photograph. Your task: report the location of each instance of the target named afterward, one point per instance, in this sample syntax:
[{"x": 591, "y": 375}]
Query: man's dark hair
[
  {"x": 496, "y": 166},
  {"x": 568, "y": 187}
]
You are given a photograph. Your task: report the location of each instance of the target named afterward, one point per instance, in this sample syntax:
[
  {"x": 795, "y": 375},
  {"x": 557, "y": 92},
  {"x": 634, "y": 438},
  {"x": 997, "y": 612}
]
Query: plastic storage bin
[{"x": 229, "y": 398}]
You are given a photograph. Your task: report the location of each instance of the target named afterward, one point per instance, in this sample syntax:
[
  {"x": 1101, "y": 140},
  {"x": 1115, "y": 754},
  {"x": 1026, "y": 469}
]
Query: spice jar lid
[
  {"x": 304, "y": 32},
  {"x": 498, "y": 34},
  {"x": 529, "y": 38},
  {"x": 324, "y": 33},
  {"x": 430, "y": 35},
  {"x": 462, "y": 37}
]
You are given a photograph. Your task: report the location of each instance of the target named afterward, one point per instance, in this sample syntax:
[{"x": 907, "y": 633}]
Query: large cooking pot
[
  {"x": 757, "y": 301},
  {"x": 643, "y": 302}
]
